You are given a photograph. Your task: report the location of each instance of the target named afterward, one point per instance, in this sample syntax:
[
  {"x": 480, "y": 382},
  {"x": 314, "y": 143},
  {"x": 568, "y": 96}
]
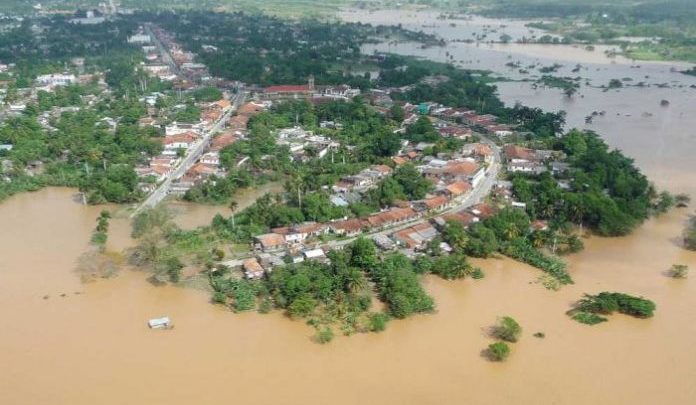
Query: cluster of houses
[
  {"x": 454, "y": 180},
  {"x": 445, "y": 115},
  {"x": 304, "y": 145},
  {"x": 533, "y": 161},
  {"x": 48, "y": 83},
  {"x": 308, "y": 91},
  {"x": 177, "y": 140},
  {"x": 299, "y": 243}
]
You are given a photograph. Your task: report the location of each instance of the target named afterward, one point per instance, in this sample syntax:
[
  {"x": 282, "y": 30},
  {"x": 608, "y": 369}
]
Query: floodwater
[
  {"x": 95, "y": 347},
  {"x": 189, "y": 216},
  {"x": 662, "y": 140}
]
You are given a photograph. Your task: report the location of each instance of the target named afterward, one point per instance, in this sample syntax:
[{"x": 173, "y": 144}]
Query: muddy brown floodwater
[{"x": 94, "y": 347}]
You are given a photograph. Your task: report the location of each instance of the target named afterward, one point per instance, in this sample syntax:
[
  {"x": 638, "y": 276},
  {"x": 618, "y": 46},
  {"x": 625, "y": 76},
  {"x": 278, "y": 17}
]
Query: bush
[
  {"x": 588, "y": 318},
  {"x": 589, "y": 309},
  {"x": 520, "y": 249},
  {"x": 174, "y": 267},
  {"x": 679, "y": 271},
  {"x": 507, "y": 329},
  {"x": 498, "y": 351},
  {"x": 265, "y": 306},
  {"x": 690, "y": 235},
  {"x": 378, "y": 321},
  {"x": 219, "y": 297},
  {"x": 323, "y": 336}
]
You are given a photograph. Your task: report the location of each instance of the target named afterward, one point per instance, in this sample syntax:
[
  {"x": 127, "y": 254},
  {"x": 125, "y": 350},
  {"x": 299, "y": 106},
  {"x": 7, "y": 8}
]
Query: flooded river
[
  {"x": 92, "y": 345},
  {"x": 189, "y": 216}
]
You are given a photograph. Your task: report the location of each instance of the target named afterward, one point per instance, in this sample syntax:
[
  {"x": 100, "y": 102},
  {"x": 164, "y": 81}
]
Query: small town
[
  {"x": 468, "y": 183},
  {"x": 349, "y": 201}
]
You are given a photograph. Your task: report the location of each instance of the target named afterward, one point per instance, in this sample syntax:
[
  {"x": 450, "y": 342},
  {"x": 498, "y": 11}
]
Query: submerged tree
[
  {"x": 507, "y": 329},
  {"x": 498, "y": 351}
]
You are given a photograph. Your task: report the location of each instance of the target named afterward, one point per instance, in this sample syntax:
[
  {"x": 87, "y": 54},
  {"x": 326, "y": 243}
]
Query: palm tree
[
  {"x": 233, "y": 208},
  {"x": 510, "y": 231},
  {"x": 354, "y": 280}
]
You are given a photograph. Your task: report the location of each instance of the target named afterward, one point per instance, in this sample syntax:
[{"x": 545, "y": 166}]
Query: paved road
[
  {"x": 162, "y": 50},
  {"x": 192, "y": 156}
]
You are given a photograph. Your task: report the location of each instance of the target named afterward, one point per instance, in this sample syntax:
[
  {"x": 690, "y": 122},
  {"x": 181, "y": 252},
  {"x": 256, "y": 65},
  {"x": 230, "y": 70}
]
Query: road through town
[{"x": 192, "y": 156}]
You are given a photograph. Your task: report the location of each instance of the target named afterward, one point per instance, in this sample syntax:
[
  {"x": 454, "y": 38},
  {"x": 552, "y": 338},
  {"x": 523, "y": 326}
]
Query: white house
[
  {"x": 56, "y": 79},
  {"x": 139, "y": 39},
  {"x": 211, "y": 158}
]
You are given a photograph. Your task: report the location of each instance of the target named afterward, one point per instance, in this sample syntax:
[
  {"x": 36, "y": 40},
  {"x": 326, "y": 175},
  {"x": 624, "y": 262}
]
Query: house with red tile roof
[
  {"x": 269, "y": 242},
  {"x": 391, "y": 217},
  {"x": 222, "y": 140},
  {"x": 434, "y": 204},
  {"x": 349, "y": 227},
  {"x": 458, "y": 188},
  {"x": 252, "y": 269}
]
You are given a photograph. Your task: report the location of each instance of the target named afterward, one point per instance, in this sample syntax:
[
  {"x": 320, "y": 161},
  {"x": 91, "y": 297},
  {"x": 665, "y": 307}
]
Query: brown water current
[{"x": 94, "y": 347}]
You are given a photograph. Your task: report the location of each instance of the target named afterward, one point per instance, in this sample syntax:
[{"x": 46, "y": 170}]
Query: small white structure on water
[{"x": 160, "y": 323}]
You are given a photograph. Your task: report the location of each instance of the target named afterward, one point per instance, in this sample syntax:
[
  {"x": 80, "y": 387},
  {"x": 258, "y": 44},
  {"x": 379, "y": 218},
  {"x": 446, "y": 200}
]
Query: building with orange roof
[
  {"x": 398, "y": 160},
  {"x": 519, "y": 153},
  {"x": 269, "y": 242},
  {"x": 391, "y": 217},
  {"x": 222, "y": 140},
  {"x": 349, "y": 227},
  {"x": 435, "y": 203},
  {"x": 458, "y": 188},
  {"x": 252, "y": 269}
]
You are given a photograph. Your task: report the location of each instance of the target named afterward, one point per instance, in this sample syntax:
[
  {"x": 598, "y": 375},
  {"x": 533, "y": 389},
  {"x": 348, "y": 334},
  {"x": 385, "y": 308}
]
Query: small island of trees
[{"x": 590, "y": 309}]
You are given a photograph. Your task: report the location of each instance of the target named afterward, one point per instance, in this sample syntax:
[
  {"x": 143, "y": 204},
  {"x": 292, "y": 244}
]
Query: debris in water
[{"x": 160, "y": 323}]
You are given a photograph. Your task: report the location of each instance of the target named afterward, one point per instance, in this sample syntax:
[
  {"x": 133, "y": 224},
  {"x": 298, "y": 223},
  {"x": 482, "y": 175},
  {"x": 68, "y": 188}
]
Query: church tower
[{"x": 310, "y": 82}]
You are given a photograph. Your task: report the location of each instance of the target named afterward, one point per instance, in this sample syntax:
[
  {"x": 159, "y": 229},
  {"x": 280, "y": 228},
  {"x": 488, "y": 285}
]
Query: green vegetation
[
  {"x": 667, "y": 27},
  {"x": 608, "y": 193},
  {"x": 690, "y": 234},
  {"x": 79, "y": 153},
  {"x": 508, "y": 232},
  {"x": 77, "y": 148},
  {"x": 406, "y": 183},
  {"x": 498, "y": 351},
  {"x": 507, "y": 329},
  {"x": 332, "y": 294},
  {"x": 162, "y": 247},
  {"x": 264, "y": 50},
  {"x": 569, "y": 85},
  {"x": 101, "y": 232},
  {"x": 520, "y": 249},
  {"x": 207, "y": 94},
  {"x": 324, "y": 335},
  {"x": 678, "y": 271},
  {"x": 588, "y": 318},
  {"x": 590, "y": 309}
]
